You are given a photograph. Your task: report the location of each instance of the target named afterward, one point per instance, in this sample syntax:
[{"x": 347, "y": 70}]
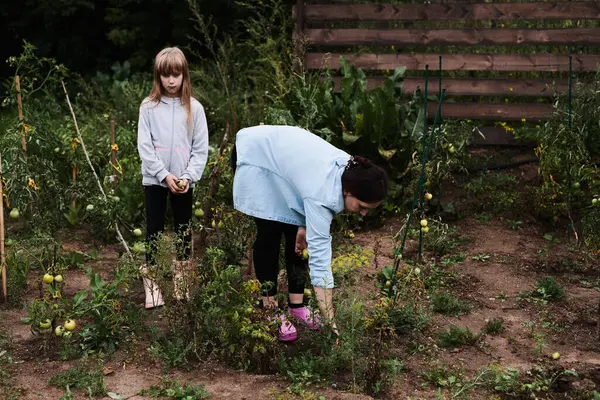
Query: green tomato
[
  {"x": 199, "y": 213},
  {"x": 45, "y": 324},
  {"x": 305, "y": 254},
  {"x": 137, "y": 232},
  {"x": 89, "y": 207},
  {"x": 139, "y": 247},
  {"x": 59, "y": 278},
  {"x": 14, "y": 213},
  {"x": 48, "y": 278},
  {"x": 59, "y": 330},
  {"x": 70, "y": 324}
]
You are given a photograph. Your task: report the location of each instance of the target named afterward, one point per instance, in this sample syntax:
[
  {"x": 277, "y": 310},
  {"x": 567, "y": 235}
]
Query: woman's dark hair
[{"x": 364, "y": 180}]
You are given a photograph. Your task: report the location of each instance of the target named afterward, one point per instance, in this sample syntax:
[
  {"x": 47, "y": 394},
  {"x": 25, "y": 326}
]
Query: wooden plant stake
[
  {"x": 20, "y": 106},
  {"x": 2, "y": 255},
  {"x": 113, "y": 151}
]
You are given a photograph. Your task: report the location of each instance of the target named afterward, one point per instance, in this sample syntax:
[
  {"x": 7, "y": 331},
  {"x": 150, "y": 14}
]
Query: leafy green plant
[
  {"x": 447, "y": 304},
  {"x": 173, "y": 352},
  {"x": 483, "y": 257},
  {"x": 483, "y": 217},
  {"x": 549, "y": 289},
  {"x": 441, "y": 238},
  {"x": 409, "y": 318},
  {"x": 455, "y": 337},
  {"x": 173, "y": 390},
  {"x": 494, "y": 326},
  {"x": 514, "y": 225},
  {"x": 451, "y": 260}
]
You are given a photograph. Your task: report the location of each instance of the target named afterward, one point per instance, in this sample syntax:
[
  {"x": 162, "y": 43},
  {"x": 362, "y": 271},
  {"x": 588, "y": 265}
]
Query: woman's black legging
[{"x": 266, "y": 256}]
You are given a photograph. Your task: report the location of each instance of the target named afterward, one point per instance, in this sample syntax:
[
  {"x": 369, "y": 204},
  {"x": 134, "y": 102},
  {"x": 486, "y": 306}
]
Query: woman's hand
[{"x": 301, "y": 240}]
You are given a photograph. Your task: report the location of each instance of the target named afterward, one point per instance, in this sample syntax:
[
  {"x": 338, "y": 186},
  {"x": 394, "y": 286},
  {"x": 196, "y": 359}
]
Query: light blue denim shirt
[{"x": 290, "y": 175}]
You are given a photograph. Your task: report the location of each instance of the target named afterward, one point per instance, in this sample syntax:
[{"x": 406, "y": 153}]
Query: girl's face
[
  {"x": 172, "y": 84},
  {"x": 354, "y": 205}
]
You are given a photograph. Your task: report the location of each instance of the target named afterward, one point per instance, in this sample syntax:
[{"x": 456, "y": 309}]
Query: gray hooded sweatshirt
[{"x": 166, "y": 143}]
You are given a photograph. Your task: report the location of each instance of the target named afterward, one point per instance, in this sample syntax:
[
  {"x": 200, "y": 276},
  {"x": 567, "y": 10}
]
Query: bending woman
[{"x": 294, "y": 183}]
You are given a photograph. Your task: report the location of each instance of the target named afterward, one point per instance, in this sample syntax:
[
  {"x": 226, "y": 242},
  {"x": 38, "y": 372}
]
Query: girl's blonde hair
[{"x": 172, "y": 61}]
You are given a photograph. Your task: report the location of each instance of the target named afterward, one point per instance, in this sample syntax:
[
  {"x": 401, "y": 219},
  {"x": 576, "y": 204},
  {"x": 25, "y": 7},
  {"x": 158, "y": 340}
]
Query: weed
[
  {"x": 514, "y": 225},
  {"x": 495, "y": 191},
  {"x": 549, "y": 289},
  {"x": 442, "y": 376},
  {"x": 78, "y": 378},
  {"x": 439, "y": 277},
  {"x": 175, "y": 391},
  {"x": 455, "y": 337},
  {"x": 503, "y": 379},
  {"x": 447, "y": 304},
  {"x": 6, "y": 369},
  {"x": 481, "y": 257},
  {"x": 173, "y": 352},
  {"x": 441, "y": 239},
  {"x": 449, "y": 261},
  {"x": 483, "y": 217},
  {"x": 494, "y": 326},
  {"x": 409, "y": 318}
]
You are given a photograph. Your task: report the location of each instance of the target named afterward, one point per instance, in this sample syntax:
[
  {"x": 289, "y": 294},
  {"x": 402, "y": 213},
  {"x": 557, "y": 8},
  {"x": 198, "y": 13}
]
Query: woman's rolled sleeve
[{"x": 318, "y": 237}]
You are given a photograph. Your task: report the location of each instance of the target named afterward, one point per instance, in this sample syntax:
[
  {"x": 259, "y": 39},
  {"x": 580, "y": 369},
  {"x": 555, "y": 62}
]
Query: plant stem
[{"x": 87, "y": 157}]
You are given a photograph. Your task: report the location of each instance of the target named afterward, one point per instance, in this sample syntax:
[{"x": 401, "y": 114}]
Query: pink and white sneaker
[
  {"x": 312, "y": 320},
  {"x": 287, "y": 330}
]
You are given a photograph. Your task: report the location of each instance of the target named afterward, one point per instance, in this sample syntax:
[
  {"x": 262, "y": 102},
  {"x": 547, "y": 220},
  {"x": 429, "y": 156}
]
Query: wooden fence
[{"x": 313, "y": 21}]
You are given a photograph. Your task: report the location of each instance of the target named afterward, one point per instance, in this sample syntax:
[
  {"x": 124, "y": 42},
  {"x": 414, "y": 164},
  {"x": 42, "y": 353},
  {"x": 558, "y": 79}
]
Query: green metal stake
[
  {"x": 423, "y": 157},
  {"x": 570, "y": 91},
  {"x": 440, "y": 82},
  {"x": 415, "y": 197},
  {"x": 569, "y": 178}
]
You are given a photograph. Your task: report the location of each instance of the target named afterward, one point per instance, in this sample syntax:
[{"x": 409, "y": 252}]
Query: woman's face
[{"x": 354, "y": 205}]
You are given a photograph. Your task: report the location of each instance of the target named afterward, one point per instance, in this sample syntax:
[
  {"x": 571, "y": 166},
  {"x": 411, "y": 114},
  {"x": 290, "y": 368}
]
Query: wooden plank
[
  {"x": 458, "y": 37},
  {"x": 497, "y": 136},
  {"x": 299, "y": 16},
  {"x": 477, "y": 87},
  {"x": 454, "y": 12},
  {"x": 495, "y": 112},
  {"x": 459, "y": 62}
]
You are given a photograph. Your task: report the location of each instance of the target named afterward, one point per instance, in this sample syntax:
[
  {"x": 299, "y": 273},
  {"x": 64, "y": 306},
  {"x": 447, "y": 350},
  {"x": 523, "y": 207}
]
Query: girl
[
  {"x": 293, "y": 183},
  {"x": 173, "y": 147}
]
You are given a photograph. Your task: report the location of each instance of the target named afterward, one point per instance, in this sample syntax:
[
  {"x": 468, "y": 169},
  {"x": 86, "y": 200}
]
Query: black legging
[
  {"x": 266, "y": 256},
  {"x": 156, "y": 208}
]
